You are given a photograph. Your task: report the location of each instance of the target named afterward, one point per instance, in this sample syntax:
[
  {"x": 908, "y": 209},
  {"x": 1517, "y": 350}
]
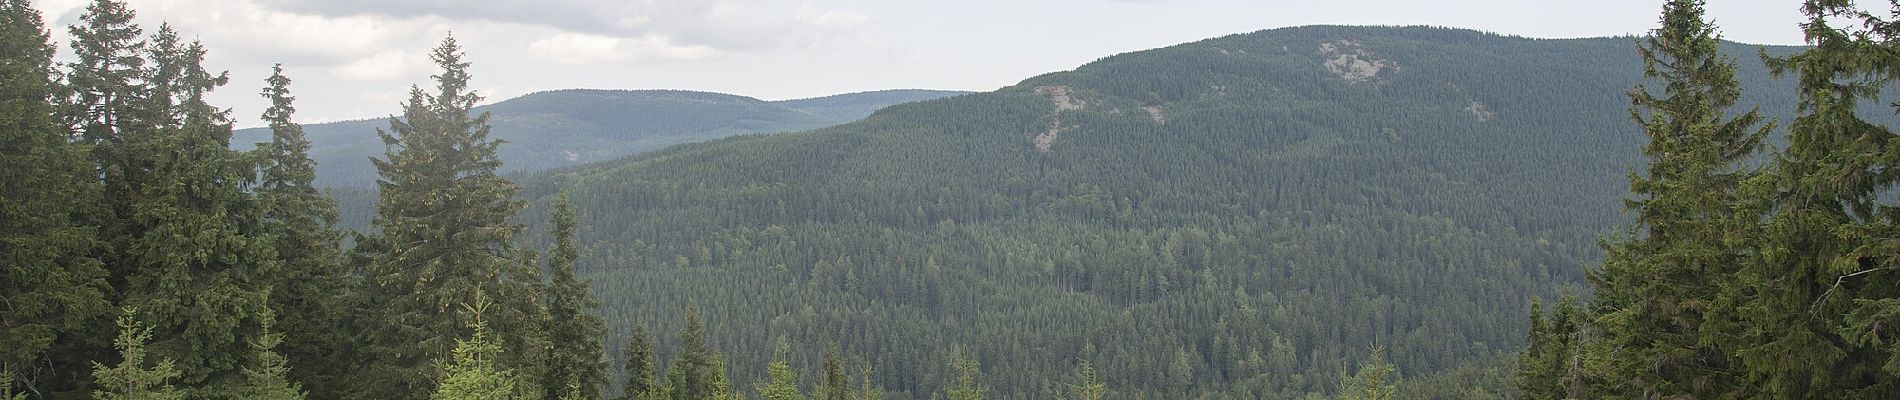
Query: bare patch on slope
[
  {"x": 1476, "y": 108},
  {"x": 1352, "y": 62},
  {"x": 1060, "y": 97},
  {"x": 1154, "y": 112}
]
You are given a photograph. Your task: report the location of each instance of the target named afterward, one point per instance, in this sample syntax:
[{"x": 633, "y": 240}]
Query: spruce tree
[
  {"x": 573, "y": 330},
  {"x": 966, "y": 387},
  {"x": 719, "y": 387},
  {"x": 836, "y": 385},
  {"x": 696, "y": 372},
  {"x": 781, "y": 382},
  {"x": 53, "y": 286},
  {"x": 103, "y": 85},
  {"x": 1552, "y": 368},
  {"x": 638, "y": 370},
  {"x": 444, "y": 235},
  {"x": 1376, "y": 379},
  {"x": 268, "y": 376},
  {"x": 131, "y": 379},
  {"x": 200, "y": 257},
  {"x": 1660, "y": 285},
  {"x": 865, "y": 390},
  {"x": 476, "y": 372},
  {"x": 105, "y": 81},
  {"x": 1818, "y": 303},
  {"x": 312, "y": 285},
  {"x": 1088, "y": 385}
]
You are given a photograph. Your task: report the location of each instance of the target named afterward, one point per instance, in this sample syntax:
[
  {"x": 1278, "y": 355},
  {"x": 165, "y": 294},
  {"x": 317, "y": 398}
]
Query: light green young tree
[
  {"x": 1088, "y": 385},
  {"x": 131, "y": 380},
  {"x": 966, "y": 386},
  {"x": 1375, "y": 380},
  {"x": 269, "y": 379},
  {"x": 865, "y": 390},
  {"x": 475, "y": 373},
  {"x": 782, "y": 383}
]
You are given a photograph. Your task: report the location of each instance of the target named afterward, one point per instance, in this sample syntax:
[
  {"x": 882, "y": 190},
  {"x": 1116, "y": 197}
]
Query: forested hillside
[
  {"x": 1243, "y": 216},
  {"x": 1298, "y": 213},
  {"x": 571, "y": 127}
]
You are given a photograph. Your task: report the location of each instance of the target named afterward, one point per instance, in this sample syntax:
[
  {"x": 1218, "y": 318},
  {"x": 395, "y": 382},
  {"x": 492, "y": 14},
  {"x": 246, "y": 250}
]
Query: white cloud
[
  {"x": 720, "y": 25},
  {"x": 580, "y": 48},
  {"x": 386, "y": 65}
]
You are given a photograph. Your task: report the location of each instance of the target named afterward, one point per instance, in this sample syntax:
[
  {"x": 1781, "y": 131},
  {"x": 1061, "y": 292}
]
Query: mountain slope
[
  {"x": 1239, "y": 217},
  {"x": 571, "y": 127}
]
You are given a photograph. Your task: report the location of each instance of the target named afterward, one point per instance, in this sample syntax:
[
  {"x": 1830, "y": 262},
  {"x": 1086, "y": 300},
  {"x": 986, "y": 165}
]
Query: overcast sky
[{"x": 353, "y": 59}]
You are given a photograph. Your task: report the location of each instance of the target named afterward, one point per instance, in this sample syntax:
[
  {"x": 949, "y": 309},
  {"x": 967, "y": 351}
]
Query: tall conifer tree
[
  {"x": 697, "y": 372},
  {"x": 1552, "y": 368},
  {"x": 200, "y": 255},
  {"x": 105, "y": 82},
  {"x": 1376, "y": 379},
  {"x": 1659, "y": 288},
  {"x": 574, "y": 332},
  {"x": 836, "y": 385},
  {"x": 53, "y": 286},
  {"x": 638, "y": 370},
  {"x": 311, "y": 292},
  {"x": 966, "y": 387},
  {"x": 1819, "y": 305},
  {"x": 443, "y": 218}
]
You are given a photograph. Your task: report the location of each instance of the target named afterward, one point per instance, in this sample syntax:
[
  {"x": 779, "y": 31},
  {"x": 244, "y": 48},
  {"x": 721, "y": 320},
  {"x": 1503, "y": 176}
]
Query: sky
[{"x": 355, "y": 59}]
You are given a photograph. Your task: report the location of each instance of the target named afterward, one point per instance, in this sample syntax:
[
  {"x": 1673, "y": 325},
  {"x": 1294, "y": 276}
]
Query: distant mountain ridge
[
  {"x": 559, "y": 128},
  {"x": 1238, "y": 217}
]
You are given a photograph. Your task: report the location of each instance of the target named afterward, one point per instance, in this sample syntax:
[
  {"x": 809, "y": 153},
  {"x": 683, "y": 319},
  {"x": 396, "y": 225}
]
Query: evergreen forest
[{"x": 1316, "y": 212}]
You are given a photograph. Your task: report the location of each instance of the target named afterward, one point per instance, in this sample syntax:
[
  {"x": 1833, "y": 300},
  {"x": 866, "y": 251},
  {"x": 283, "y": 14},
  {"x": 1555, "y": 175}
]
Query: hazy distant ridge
[{"x": 576, "y": 126}]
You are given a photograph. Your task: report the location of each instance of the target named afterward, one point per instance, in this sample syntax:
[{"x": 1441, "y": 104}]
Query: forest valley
[{"x": 1299, "y": 213}]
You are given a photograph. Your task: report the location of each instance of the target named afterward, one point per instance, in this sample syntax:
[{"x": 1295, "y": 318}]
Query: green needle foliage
[
  {"x": 1553, "y": 368},
  {"x": 268, "y": 378},
  {"x": 1220, "y": 219},
  {"x": 132, "y": 379},
  {"x": 1662, "y": 284},
  {"x": 311, "y": 291},
  {"x": 782, "y": 383},
  {"x": 1745, "y": 279},
  {"x": 1088, "y": 386},
  {"x": 1376, "y": 379},
  {"x": 52, "y": 285},
  {"x": 699, "y": 371},
  {"x": 1816, "y": 306},
  {"x": 638, "y": 368},
  {"x": 836, "y": 385},
  {"x": 199, "y": 257},
  {"x": 573, "y": 328},
  {"x": 444, "y": 235},
  {"x": 966, "y": 387},
  {"x": 476, "y": 372}
]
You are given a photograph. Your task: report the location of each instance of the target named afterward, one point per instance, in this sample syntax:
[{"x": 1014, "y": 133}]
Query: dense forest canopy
[
  {"x": 1309, "y": 212},
  {"x": 1243, "y": 216}
]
